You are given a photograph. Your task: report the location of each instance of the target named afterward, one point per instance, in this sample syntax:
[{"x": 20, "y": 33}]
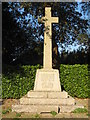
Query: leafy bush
[
  {"x": 18, "y": 80},
  {"x": 74, "y": 79}
]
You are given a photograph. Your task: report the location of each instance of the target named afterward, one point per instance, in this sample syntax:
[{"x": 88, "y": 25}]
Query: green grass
[
  {"x": 88, "y": 115},
  {"x": 18, "y": 115},
  {"x": 6, "y": 111},
  {"x": 80, "y": 110},
  {"x": 53, "y": 113},
  {"x": 36, "y": 116}
]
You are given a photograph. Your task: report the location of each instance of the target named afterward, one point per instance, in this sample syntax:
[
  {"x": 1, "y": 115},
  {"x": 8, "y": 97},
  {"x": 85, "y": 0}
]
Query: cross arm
[{"x": 54, "y": 19}]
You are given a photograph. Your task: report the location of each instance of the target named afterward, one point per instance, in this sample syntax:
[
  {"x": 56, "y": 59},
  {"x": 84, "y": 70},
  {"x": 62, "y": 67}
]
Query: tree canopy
[{"x": 23, "y": 33}]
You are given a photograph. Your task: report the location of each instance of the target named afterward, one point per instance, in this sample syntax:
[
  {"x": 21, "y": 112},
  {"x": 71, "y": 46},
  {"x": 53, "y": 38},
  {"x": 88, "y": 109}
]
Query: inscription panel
[
  {"x": 47, "y": 85},
  {"x": 47, "y": 80}
]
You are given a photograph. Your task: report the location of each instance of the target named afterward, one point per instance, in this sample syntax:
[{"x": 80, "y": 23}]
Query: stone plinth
[
  {"x": 47, "y": 80},
  {"x": 38, "y": 102}
]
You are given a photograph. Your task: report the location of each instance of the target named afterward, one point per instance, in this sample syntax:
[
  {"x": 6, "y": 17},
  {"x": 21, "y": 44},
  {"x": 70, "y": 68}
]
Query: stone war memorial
[{"x": 47, "y": 95}]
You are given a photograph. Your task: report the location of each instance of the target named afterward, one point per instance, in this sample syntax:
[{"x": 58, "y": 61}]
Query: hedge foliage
[
  {"x": 18, "y": 80},
  {"x": 74, "y": 79}
]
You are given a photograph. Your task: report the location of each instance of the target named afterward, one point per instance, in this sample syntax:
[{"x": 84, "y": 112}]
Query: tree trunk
[{"x": 55, "y": 55}]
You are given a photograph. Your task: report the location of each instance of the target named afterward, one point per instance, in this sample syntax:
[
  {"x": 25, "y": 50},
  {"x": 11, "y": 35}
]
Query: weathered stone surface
[
  {"x": 48, "y": 20},
  {"x": 34, "y": 108},
  {"x": 57, "y": 95},
  {"x": 47, "y": 101},
  {"x": 69, "y": 108},
  {"x": 48, "y": 94},
  {"x": 47, "y": 80},
  {"x": 45, "y": 108},
  {"x": 37, "y": 94}
]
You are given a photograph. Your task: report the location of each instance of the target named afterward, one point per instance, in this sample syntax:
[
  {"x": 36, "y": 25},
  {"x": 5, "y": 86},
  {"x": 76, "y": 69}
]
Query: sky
[
  {"x": 69, "y": 48},
  {"x": 75, "y": 47}
]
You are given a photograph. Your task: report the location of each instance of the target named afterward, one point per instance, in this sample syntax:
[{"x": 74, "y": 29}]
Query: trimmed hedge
[
  {"x": 74, "y": 79},
  {"x": 18, "y": 80}
]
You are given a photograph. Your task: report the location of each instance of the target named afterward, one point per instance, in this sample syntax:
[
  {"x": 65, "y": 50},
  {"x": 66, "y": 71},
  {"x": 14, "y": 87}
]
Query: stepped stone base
[
  {"x": 45, "y": 108},
  {"x": 34, "y": 108},
  {"x": 46, "y": 101},
  {"x": 38, "y": 102}
]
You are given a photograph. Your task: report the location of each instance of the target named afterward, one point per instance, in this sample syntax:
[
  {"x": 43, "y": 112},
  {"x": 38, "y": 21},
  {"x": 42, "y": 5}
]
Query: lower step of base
[
  {"x": 34, "y": 108},
  {"x": 44, "y": 108}
]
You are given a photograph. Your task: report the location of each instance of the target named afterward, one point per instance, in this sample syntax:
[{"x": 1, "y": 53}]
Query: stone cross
[{"x": 48, "y": 20}]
